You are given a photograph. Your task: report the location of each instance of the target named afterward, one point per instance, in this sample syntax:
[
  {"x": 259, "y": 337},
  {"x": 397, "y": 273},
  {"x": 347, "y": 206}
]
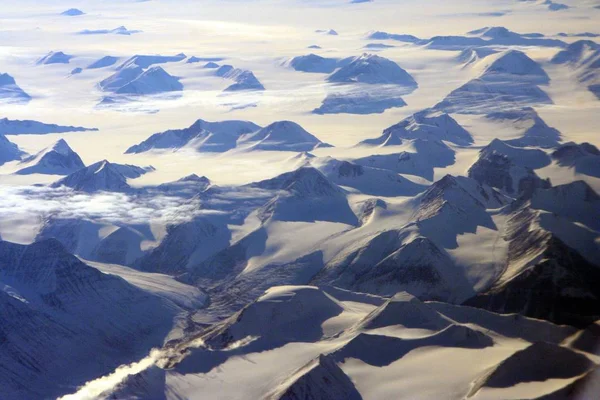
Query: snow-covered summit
[
  {"x": 372, "y": 69},
  {"x": 202, "y": 135},
  {"x": 577, "y": 53},
  {"x": 120, "y": 30},
  {"x": 282, "y": 314},
  {"x": 367, "y": 180},
  {"x": 584, "y": 57},
  {"x": 151, "y": 81},
  {"x": 305, "y": 182},
  {"x": 30, "y": 127},
  {"x": 54, "y": 57},
  {"x": 80, "y": 310},
  {"x": 102, "y": 176},
  {"x": 281, "y": 136},
  {"x": 426, "y": 125},
  {"x": 516, "y": 64},
  {"x": 144, "y": 61},
  {"x": 10, "y": 92},
  {"x": 8, "y": 150},
  {"x": 497, "y": 169},
  {"x": 576, "y": 201},
  {"x": 72, "y": 12},
  {"x": 460, "y": 192},
  {"x": 510, "y": 81},
  {"x": 472, "y": 55},
  {"x": 305, "y": 195},
  {"x": 244, "y": 79},
  {"x": 313, "y": 63},
  {"x": 320, "y": 379},
  {"x": 58, "y": 159},
  {"x": 535, "y": 131},
  {"x": 103, "y": 62},
  {"x": 583, "y": 157}
]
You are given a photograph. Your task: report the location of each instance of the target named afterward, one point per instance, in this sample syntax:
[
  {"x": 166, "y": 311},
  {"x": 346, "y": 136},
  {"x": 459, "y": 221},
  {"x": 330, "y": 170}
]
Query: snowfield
[{"x": 299, "y": 200}]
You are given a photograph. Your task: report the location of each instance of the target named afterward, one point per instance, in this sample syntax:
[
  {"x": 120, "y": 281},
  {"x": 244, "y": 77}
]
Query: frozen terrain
[{"x": 300, "y": 199}]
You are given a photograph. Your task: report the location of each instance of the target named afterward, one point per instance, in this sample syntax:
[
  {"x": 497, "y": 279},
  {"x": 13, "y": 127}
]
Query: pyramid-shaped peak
[
  {"x": 61, "y": 146},
  {"x": 515, "y": 62},
  {"x": 6, "y": 79}
]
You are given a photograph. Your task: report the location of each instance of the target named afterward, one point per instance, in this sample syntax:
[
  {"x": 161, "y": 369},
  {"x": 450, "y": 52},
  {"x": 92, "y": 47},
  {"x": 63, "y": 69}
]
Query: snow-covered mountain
[
  {"x": 244, "y": 79},
  {"x": 425, "y": 125},
  {"x": 188, "y": 186},
  {"x": 372, "y": 69},
  {"x": 583, "y": 57},
  {"x": 281, "y": 136},
  {"x": 535, "y": 131},
  {"x": 526, "y": 157},
  {"x": 122, "y": 246},
  {"x": 305, "y": 195},
  {"x": 584, "y": 158},
  {"x": 529, "y": 365},
  {"x": 72, "y": 12},
  {"x": 360, "y": 101},
  {"x": 8, "y": 150},
  {"x": 329, "y": 343},
  {"x": 222, "y": 136},
  {"x": 472, "y": 55},
  {"x": 58, "y": 159},
  {"x": 367, "y": 180},
  {"x": 488, "y": 36},
  {"x": 313, "y": 63},
  {"x": 121, "y": 30},
  {"x": 151, "y": 81},
  {"x": 103, "y": 62},
  {"x": 447, "y": 247},
  {"x": 144, "y": 61},
  {"x": 545, "y": 277},
  {"x": 102, "y": 176},
  {"x": 420, "y": 158},
  {"x": 202, "y": 135},
  {"x": 185, "y": 245},
  {"x": 10, "y": 92},
  {"x": 80, "y": 310},
  {"x": 380, "y": 35},
  {"x": 29, "y": 127},
  {"x": 320, "y": 379},
  {"x": 394, "y": 261},
  {"x": 55, "y": 57},
  {"x": 509, "y": 81},
  {"x": 501, "y": 167}
]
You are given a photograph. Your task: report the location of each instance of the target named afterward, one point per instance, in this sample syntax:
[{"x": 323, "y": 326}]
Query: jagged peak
[{"x": 194, "y": 178}]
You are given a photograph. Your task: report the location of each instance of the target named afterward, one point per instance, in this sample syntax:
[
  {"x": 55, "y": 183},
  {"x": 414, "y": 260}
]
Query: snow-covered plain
[{"x": 260, "y": 178}]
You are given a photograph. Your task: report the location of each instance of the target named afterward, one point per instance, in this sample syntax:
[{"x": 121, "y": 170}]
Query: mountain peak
[
  {"x": 516, "y": 63},
  {"x": 429, "y": 125},
  {"x": 372, "y": 69},
  {"x": 282, "y": 135},
  {"x": 58, "y": 159},
  {"x": 102, "y": 176}
]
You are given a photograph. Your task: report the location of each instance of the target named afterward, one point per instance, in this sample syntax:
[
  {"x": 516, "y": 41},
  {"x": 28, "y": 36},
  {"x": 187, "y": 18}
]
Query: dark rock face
[
  {"x": 59, "y": 311},
  {"x": 544, "y": 279},
  {"x": 498, "y": 171},
  {"x": 493, "y": 171}
]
